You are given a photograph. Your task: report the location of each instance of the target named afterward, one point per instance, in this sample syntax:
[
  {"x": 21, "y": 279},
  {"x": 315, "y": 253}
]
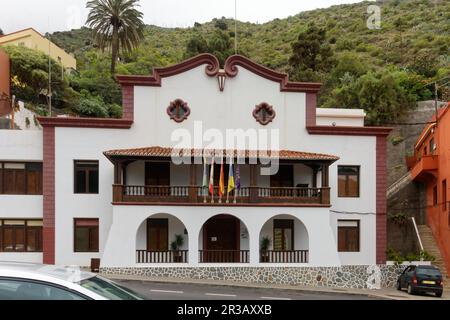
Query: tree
[
  {"x": 312, "y": 56},
  {"x": 116, "y": 24},
  {"x": 218, "y": 44}
]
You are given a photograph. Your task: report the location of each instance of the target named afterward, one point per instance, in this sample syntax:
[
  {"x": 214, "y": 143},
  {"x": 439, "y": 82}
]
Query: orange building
[
  {"x": 431, "y": 166},
  {"x": 5, "y": 105}
]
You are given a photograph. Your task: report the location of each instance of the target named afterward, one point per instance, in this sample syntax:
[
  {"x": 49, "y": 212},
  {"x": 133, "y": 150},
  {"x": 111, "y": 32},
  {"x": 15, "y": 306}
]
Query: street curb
[{"x": 327, "y": 290}]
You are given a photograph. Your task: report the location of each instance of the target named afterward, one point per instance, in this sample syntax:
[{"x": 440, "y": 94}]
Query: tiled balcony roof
[{"x": 166, "y": 152}]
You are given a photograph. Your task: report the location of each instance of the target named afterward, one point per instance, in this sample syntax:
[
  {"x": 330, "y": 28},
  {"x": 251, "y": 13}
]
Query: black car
[{"x": 421, "y": 279}]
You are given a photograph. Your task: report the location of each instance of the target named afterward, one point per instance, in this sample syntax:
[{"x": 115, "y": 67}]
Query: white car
[{"x": 24, "y": 281}]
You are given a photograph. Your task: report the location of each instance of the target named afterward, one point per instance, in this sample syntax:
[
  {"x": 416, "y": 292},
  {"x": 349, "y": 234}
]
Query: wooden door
[
  {"x": 221, "y": 234},
  {"x": 157, "y": 234}
]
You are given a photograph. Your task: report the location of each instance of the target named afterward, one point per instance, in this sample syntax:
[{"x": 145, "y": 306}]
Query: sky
[{"x": 59, "y": 15}]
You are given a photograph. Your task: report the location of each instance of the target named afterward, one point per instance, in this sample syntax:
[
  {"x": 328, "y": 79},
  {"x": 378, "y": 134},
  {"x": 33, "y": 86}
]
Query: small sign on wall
[{"x": 213, "y": 239}]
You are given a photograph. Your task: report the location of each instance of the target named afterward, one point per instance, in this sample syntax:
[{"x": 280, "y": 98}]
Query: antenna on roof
[
  {"x": 235, "y": 28},
  {"x": 49, "y": 74}
]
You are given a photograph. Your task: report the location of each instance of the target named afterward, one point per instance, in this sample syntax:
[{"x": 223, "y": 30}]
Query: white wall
[
  {"x": 120, "y": 247},
  {"x": 230, "y": 109}
]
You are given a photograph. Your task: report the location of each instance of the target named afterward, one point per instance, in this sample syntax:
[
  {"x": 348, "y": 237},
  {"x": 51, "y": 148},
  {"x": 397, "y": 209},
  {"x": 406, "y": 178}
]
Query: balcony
[
  {"x": 425, "y": 168},
  {"x": 148, "y": 176},
  {"x": 197, "y": 195}
]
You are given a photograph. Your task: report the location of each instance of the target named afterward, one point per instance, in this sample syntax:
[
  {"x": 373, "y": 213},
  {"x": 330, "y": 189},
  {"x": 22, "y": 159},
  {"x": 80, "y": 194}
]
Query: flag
[
  {"x": 211, "y": 178},
  {"x": 221, "y": 181},
  {"x": 238, "y": 177},
  {"x": 230, "y": 177},
  {"x": 205, "y": 176}
]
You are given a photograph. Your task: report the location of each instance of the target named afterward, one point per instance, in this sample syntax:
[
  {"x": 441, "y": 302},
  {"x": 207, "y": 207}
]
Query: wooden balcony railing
[
  {"x": 292, "y": 256},
  {"x": 144, "y": 256},
  {"x": 198, "y": 195},
  {"x": 224, "y": 256}
]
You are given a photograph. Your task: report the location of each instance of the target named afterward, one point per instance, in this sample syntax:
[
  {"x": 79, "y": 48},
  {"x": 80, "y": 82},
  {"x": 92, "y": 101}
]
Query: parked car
[
  {"x": 23, "y": 281},
  {"x": 421, "y": 279}
]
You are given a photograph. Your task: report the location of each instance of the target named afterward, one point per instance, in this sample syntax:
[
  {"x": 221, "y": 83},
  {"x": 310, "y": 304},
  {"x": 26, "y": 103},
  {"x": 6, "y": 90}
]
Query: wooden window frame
[
  {"x": 346, "y": 182},
  {"x": 435, "y": 195},
  {"x": 91, "y": 249},
  {"x": 291, "y": 222},
  {"x": 26, "y": 170},
  {"x": 358, "y": 227},
  {"x": 75, "y": 170},
  {"x": 25, "y": 227}
]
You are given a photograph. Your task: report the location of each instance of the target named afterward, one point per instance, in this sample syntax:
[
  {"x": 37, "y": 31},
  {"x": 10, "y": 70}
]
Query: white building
[{"x": 107, "y": 188}]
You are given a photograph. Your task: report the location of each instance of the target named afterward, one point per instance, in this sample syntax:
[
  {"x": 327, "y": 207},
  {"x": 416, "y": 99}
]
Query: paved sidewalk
[{"x": 385, "y": 293}]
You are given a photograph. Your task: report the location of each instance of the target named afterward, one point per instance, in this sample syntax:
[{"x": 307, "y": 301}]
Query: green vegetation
[
  {"x": 393, "y": 255},
  {"x": 383, "y": 71},
  {"x": 116, "y": 24}
]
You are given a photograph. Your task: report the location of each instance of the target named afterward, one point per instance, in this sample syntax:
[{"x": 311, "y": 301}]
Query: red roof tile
[{"x": 160, "y": 152}]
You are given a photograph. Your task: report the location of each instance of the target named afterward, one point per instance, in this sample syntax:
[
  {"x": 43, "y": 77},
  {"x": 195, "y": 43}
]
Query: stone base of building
[{"x": 357, "y": 277}]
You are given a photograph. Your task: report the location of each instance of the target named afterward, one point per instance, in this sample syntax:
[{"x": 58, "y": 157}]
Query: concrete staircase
[
  {"x": 399, "y": 184},
  {"x": 430, "y": 246}
]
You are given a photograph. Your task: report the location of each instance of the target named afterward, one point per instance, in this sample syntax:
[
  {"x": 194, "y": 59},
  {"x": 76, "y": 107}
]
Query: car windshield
[
  {"x": 428, "y": 272},
  {"x": 109, "y": 289}
]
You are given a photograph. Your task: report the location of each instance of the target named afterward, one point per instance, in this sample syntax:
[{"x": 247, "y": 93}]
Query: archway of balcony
[
  {"x": 224, "y": 238},
  {"x": 284, "y": 239},
  {"x": 162, "y": 238}
]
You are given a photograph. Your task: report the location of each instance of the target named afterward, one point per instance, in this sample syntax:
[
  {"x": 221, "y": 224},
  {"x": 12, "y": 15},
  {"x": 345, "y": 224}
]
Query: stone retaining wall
[{"x": 339, "y": 277}]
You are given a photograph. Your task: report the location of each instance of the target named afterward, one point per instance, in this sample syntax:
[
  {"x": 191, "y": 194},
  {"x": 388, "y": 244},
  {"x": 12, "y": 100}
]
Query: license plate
[{"x": 428, "y": 282}]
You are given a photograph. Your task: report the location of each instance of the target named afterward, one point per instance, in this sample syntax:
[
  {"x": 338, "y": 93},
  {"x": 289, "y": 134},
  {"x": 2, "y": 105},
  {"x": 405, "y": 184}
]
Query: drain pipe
[{"x": 418, "y": 235}]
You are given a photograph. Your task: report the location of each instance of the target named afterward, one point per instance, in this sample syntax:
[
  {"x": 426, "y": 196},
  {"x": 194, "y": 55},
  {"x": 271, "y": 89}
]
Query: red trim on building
[
  {"x": 311, "y": 105},
  {"x": 381, "y": 199},
  {"x": 49, "y": 195},
  {"x": 349, "y": 131},
  {"x": 86, "y": 122},
  {"x": 212, "y": 69},
  {"x": 128, "y": 102},
  {"x": 285, "y": 85}
]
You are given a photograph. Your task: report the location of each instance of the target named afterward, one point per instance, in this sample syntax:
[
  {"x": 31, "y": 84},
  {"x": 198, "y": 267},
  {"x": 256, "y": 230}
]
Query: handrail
[{"x": 417, "y": 233}]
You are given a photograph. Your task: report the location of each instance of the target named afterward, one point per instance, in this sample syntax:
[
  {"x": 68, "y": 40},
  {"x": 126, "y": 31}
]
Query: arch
[
  {"x": 156, "y": 240},
  {"x": 224, "y": 238},
  {"x": 288, "y": 240}
]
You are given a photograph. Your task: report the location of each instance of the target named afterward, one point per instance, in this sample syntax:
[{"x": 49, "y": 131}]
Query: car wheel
[
  {"x": 438, "y": 294},
  {"x": 410, "y": 289},
  {"x": 399, "y": 287}
]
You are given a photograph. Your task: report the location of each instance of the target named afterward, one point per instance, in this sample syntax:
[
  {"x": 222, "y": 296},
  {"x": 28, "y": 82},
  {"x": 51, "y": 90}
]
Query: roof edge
[{"x": 104, "y": 123}]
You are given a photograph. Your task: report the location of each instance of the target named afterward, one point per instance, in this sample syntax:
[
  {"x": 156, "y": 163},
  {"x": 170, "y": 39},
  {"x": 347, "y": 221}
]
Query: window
[
  {"x": 86, "y": 235},
  {"x": 157, "y": 174},
  {"x": 21, "y": 235},
  {"x": 21, "y": 178},
  {"x": 283, "y": 235},
  {"x": 348, "y": 235},
  {"x": 264, "y": 113},
  {"x": 157, "y": 234},
  {"x": 435, "y": 196},
  {"x": 86, "y": 177},
  {"x": 348, "y": 181},
  {"x": 15, "y": 289},
  {"x": 283, "y": 178},
  {"x": 432, "y": 146},
  {"x": 178, "y": 110},
  {"x": 444, "y": 195}
]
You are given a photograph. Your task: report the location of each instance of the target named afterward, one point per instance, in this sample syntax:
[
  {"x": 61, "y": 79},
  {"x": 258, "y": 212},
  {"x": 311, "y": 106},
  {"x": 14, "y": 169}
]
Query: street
[{"x": 181, "y": 291}]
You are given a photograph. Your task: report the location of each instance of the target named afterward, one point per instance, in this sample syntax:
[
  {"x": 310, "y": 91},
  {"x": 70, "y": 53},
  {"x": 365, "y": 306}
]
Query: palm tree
[{"x": 116, "y": 24}]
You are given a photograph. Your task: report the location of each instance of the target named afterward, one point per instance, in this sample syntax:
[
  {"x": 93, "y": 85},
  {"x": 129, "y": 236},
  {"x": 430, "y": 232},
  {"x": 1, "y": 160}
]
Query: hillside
[{"x": 411, "y": 48}]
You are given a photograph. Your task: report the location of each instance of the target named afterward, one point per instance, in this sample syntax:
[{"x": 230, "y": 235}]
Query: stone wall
[{"x": 339, "y": 277}]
